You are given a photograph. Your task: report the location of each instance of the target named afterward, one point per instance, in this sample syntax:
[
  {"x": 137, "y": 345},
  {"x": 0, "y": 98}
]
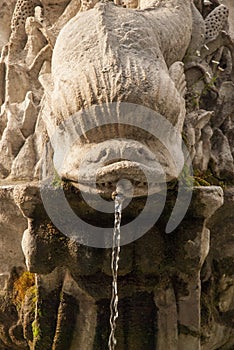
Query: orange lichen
[{"x": 22, "y": 285}]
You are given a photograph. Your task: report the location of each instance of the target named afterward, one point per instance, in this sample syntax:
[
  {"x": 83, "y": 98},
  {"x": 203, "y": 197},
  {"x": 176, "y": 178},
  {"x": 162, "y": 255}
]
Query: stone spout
[{"x": 111, "y": 161}]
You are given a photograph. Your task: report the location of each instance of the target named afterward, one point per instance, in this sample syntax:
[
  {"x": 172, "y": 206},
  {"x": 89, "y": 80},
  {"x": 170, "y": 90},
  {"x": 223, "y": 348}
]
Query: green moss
[
  {"x": 36, "y": 330},
  {"x": 209, "y": 86},
  {"x": 207, "y": 178},
  {"x": 57, "y": 181},
  {"x": 186, "y": 177}
]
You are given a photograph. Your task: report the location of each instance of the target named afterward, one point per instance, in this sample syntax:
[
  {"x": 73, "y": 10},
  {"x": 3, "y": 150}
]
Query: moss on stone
[{"x": 21, "y": 286}]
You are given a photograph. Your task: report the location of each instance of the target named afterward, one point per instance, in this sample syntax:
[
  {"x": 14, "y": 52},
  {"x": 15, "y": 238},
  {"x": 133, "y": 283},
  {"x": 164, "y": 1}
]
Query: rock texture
[
  {"x": 6, "y": 12},
  {"x": 65, "y": 69}
]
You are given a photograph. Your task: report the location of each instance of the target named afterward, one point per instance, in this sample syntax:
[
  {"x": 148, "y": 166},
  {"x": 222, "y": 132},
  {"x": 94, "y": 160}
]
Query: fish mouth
[
  {"x": 106, "y": 164},
  {"x": 111, "y": 161},
  {"x": 140, "y": 179}
]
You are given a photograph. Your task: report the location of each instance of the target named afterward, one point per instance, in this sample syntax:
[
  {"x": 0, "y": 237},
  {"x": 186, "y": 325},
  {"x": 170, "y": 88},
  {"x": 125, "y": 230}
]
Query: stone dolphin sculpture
[{"x": 108, "y": 56}]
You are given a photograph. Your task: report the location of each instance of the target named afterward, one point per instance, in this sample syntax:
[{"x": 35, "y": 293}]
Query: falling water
[{"x": 114, "y": 268}]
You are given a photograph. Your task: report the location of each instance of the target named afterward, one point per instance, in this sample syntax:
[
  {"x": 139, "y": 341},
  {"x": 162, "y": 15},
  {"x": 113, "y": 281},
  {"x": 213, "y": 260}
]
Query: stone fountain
[{"x": 93, "y": 93}]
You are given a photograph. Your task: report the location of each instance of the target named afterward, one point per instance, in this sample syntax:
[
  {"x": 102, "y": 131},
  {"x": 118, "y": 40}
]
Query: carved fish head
[
  {"x": 117, "y": 112},
  {"x": 97, "y": 147}
]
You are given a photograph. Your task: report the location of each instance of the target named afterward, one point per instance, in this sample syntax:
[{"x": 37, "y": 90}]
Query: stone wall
[{"x": 175, "y": 290}]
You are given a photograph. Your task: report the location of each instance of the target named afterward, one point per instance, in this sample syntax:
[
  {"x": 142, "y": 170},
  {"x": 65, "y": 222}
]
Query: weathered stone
[
  {"x": 71, "y": 65},
  {"x": 14, "y": 224},
  {"x": 167, "y": 318},
  {"x": 221, "y": 159},
  {"x": 6, "y": 11},
  {"x": 210, "y": 198}
]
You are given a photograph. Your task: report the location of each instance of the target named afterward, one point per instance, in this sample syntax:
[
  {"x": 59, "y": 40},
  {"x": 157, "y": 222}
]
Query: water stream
[{"x": 114, "y": 268}]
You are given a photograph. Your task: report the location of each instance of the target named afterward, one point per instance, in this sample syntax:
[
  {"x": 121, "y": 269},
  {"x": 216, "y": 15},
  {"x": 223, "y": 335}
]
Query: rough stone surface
[
  {"x": 6, "y": 11},
  {"x": 65, "y": 60}
]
